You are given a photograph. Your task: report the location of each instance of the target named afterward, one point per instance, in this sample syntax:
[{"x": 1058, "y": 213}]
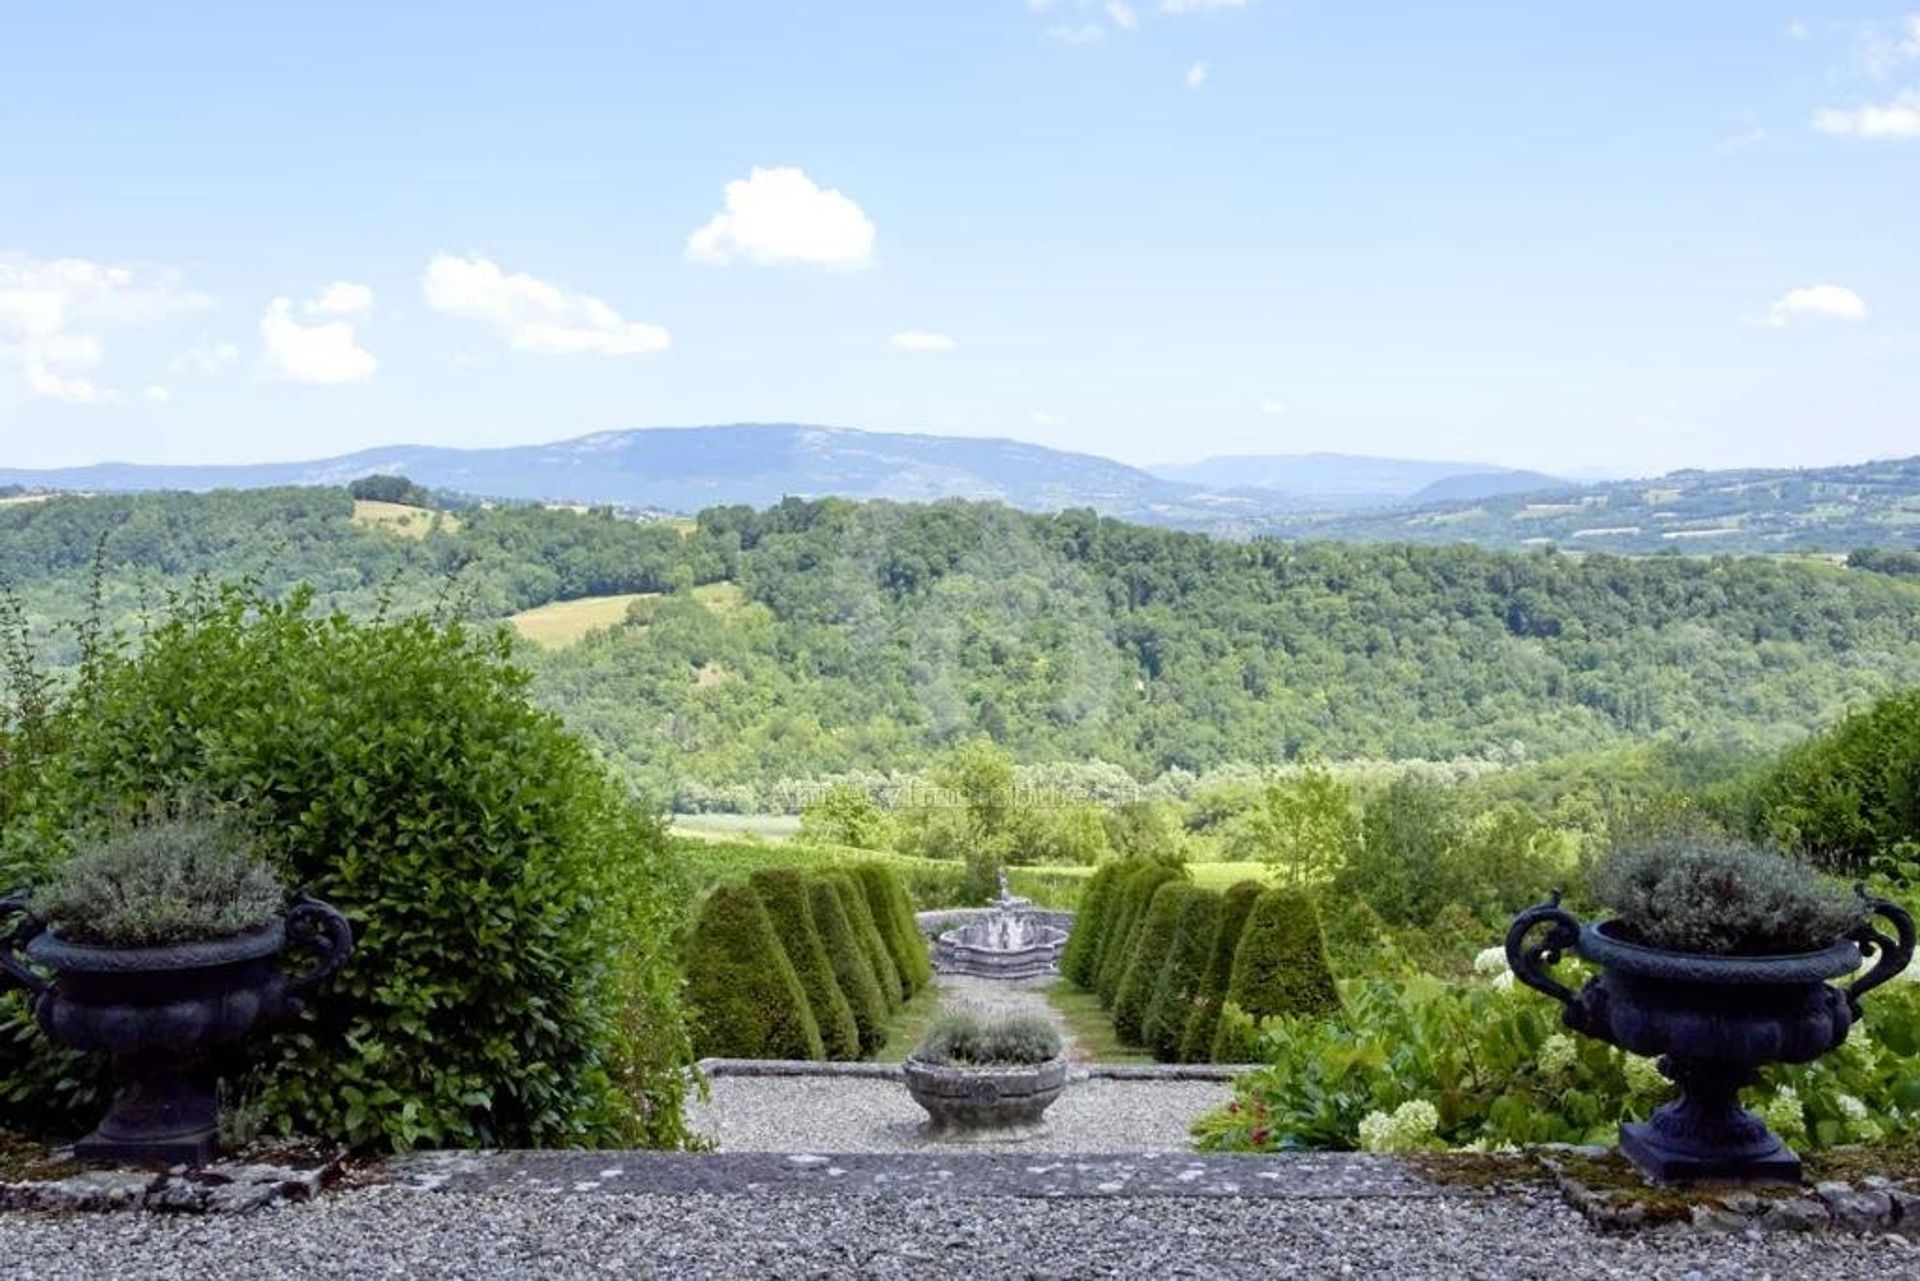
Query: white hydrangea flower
[
  {"x": 1408, "y": 1128},
  {"x": 1492, "y": 960},
  {"x": 1784, "y": 1114},
  {"x": 1503, "y": 982},
  {"x": 1643, "y": 1075},
  {"x": 1558, "y": 1054},
  {"x": 1852, "y": 1108}
]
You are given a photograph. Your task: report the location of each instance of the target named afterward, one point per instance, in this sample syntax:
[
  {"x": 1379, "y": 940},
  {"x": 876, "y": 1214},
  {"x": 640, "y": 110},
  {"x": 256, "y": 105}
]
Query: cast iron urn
[
  {"x": 163, "y": 1013},
  {"x": 1713, "y": 1021}
]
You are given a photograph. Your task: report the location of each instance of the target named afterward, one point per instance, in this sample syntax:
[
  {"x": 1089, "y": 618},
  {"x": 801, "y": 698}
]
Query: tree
[
  {"x": 1279, "y": 968},
  {"x": 1182, "y": 976},
  {"x": 390, "y": 489},
  {"x": 1306, "y": 827},
  {"x": 845, "y": 814},
  {"x": 744, "y": 997},
  {"x": 1196, "y": 1041},
  {"x": 851, "y": 969}
]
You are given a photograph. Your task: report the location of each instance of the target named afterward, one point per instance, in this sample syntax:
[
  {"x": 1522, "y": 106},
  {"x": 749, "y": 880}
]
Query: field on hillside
[
  {"x": 399, "y": 518},
  {"x": 565, "y": 622}
]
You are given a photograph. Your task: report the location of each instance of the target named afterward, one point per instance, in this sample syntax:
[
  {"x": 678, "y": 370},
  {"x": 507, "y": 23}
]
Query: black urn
[
  {"x": 163, "y": 1013},
  {"x": 1713, "y": 1021}
]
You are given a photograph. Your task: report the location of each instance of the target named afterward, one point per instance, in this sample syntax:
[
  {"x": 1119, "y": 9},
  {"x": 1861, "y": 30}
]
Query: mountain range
[{"x": 1337, "y": 496}]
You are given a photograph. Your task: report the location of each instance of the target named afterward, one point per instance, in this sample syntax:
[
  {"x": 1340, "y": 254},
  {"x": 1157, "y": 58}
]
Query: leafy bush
[
  {"x": 1196, "y": 1041},
  {"x": 1151, "y": 944},
  {"x": 744, "y": 999},
  {"x": 1077, "y": 958},
  {"x": 845, "y": 814},
  {"x": 860, "y": 916},
  {"x": 1853, "y": 793},
  {"x": 783, "y": 892},
  {"x": 1279, "y": 968},
  {"x": 851, "y": 969},
  {"x": 1178, "y": 989},
  {"x": 966, "y": 1038},
  {"x": 174, "y": 881},
  {"x": 1117, "y": 935},
  {"x": 894, "y": 917},
  {"x": 1724, "y": 899},
  {"x": 515, "y": 978},
  {"x": 1426, "y": 1063},
  {"x": 390, "y": 489}
]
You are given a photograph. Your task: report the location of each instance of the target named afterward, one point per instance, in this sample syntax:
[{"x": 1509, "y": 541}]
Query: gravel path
[
  {"x": 390, "y": 1231},
  {"x": 841, "y": 1114}
]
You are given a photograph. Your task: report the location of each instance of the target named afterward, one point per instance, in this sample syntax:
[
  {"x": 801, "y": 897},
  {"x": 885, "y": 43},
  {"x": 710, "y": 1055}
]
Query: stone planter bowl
[{"x": 985, "y": 1104}]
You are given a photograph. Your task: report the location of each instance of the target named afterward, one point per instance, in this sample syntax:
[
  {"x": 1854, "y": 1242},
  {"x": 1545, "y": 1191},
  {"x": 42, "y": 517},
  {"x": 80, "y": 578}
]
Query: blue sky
[{"x": 1622, "y": 237}]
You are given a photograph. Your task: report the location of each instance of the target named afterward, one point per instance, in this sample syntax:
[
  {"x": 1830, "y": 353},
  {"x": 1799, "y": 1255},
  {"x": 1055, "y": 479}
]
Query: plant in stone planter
[
  {"x": 1718, "y": 959},
  {"x": 981, "y": 1077},
  {"x": 156, "y": 944}
]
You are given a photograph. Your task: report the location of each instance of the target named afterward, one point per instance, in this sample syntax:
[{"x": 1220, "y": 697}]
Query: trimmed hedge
[
  {"x": 1185, "y": 970},
  {"x": 854, "y": 902},
  {"x": 850, "y": 966},
  {"x": 1279, "y": 967},
  {"x": 744, "y": 998},
  {"x": 1196, "y": 1042},
  {"x": 1078, "y": 958},
  {"x": 1116, "y": 945},
  {"x": 1151, "y": 944},
  {"x": 894, "y": 917},
  {"x": 784, "y": 893}
]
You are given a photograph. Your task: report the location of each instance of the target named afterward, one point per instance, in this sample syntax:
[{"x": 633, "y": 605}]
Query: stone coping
[{"x": 893, "y": 1072}]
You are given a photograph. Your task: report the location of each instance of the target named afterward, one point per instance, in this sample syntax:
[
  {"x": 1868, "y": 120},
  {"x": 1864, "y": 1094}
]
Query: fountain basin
[
  {"x": 985, "y": 1104},
  {"x": 1011, "y": 940}
]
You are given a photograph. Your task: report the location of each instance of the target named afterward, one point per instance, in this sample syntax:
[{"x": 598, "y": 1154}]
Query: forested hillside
[{"x": 873, "y": 635}]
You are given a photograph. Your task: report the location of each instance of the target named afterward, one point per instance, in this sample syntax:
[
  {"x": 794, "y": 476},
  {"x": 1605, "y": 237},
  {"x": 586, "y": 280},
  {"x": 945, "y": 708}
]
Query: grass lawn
[
  {"x": 563, "y": 622},
  {"x": 1092, "y": 1029}
]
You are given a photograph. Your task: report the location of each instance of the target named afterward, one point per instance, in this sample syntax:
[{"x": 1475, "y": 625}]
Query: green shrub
[
  {"x": 894, "y": 917},
  {"x": 1279, "y": 968},
  {"x": 1853, "y": 793},
  {"x": 174, "y": 881},
  {"x": 1490, "y": 1067},
  {"x": 850, "y": 966},
  {"x": 1174, "y": 995},
  {"x": 1196, "y": 1042},
  {"x": 860, "y": 915},
  {"x": 1077, "y": 958},
  {"x": 783, "y": 891},
  {"x": 966, "y": 1038},
  {"x": 515, "y": 978},
  {"x": 1724, "y": 899},
  {"x": 1116, "y": 945},
  {"x": 846, "y": 814},
  {"x": 1152, "y": 943},
  {"x": 744, "y": 998}
]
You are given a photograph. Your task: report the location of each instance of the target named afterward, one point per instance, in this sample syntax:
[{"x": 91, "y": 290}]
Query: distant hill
[
  {"x": 688, "y": 468},
  {"x": 1485, "y": 484},
  {"x": 1334, "y": 481},
  {"x": 1822, "y": 509}
]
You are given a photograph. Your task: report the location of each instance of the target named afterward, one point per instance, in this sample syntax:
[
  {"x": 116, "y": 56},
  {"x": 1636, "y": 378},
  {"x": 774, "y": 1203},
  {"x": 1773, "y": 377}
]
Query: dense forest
[{"x": 864, "y": 636}]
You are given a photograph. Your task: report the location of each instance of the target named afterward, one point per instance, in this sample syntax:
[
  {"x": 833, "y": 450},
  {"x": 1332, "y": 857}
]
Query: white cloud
[
  {"x": 1076, "y": 33},
  {"x": 341, "y": 298},
  {"x": 780, "y": 215},
  {"x": 1898, "y": 118},
  {"x": 1274, "y": 407},
  {"x": 1197, "y": 75},
  {"x": 535, "y": 315},
  {"x": 1040, "y": 418},
  {"x": 1910, "y": 44},
  {"x": 322, "y": 354},
  {"x": 49, "y": 309},
  {"x": 1122, "y": 15},
  {"x": 1815, "y": 302},
  {"x": 157, "y": 395},
  {"x": 1200, "y": 6},
  {"x": 1797, "y": 30},
  {"x": 921, "y": 340},
  {"x": 206, "y": 358}
]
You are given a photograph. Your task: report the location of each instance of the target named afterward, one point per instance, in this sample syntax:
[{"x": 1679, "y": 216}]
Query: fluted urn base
[
  {"x": 166, "y": 1115},
  {"x": 1705, "y": 1135}
]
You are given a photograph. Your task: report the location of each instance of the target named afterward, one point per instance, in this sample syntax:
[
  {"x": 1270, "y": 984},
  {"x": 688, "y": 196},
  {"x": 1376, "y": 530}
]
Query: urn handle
[
  {"x": 319, "y": 928},
  {"x": 1529, "y": 963},
  {"x": 1892, "y": 955},
  {"x": 19, "y": 927}
]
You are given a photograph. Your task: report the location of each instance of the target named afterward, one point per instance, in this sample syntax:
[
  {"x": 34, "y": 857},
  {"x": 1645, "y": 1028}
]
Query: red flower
[
  {"x": 1233, "y": 1109},
  {"x": 1259, "y": 1138}
]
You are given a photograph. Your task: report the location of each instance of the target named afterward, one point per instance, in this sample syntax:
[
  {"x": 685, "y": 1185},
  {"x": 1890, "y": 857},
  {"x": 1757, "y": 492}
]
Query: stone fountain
[{"x": 1012, "y": 939}]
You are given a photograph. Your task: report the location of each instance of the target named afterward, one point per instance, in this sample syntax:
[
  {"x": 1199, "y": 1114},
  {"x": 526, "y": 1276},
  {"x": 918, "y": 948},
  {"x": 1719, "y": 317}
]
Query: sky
[{"x": 1615, "y": 238}]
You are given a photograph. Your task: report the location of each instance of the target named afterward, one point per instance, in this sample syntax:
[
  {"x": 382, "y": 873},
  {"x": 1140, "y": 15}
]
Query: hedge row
[
  {"x": 1187, "y": 972},
  {"x": 788, "y": 966}
]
